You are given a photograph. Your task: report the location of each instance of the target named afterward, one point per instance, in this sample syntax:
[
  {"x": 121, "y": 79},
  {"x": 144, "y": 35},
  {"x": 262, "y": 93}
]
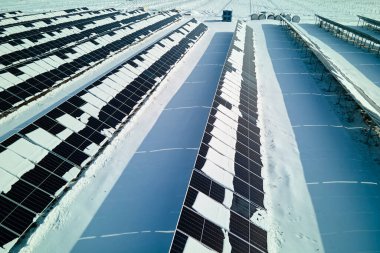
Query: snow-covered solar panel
[
  {"x": 225, "y": 194},
  {"x": 374, "y": 43},
  {"x": 10, "y": 14},
  {"x": 366, "y": 100},
  {"x": 38, "y": 43},
  {"x": 39, "y": 161},
  {"x": 22, "y": 82},
  {"x": 370, "y": 21},
  {"x": 17, "y": 19},
  {"x": 32, "y": 29}
]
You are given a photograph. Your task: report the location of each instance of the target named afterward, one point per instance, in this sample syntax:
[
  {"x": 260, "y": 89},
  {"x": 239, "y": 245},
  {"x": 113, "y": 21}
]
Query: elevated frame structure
[
  {"x": 369, "y": 22},
  {"x": 370, "y": 107},
  {"x": 355, "y": 36}
]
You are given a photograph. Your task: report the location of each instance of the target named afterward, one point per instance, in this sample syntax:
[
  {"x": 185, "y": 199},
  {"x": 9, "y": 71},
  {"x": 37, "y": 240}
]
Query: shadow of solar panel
[{"x": 75, "y": 125}]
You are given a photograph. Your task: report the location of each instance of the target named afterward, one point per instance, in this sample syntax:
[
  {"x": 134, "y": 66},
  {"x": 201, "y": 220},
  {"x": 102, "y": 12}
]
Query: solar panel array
[
  {"x": 226, "y": 187},
  {"x": 10, "y": 14},
  {"x": 366, "y": 100},
  {"x": 39, "y": 60},
  {"x": 17, "y": 16},
  {"x": 370, "y": 22},
  {"x": 358, "y": 37},
  {"x": 40, "y": 161}
]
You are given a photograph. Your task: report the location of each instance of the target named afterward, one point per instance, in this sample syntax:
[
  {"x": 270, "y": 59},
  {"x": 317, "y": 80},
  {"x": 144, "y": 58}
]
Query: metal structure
[
  {"x": 42, "y": 160},
  {"x": 331, "y": 71},
  {"x": 350, "y": 34},
  {"x": 369, "y": 22}
]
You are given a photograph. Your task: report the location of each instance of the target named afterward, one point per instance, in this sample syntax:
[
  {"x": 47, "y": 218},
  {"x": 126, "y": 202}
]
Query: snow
[
  {"x": 71, "y": 122},
  {"x": 36, "y": 107},
  {"x": 320, "y": 183},
  {"x": 218, "y": 174},
  {"x": 212, "y": 210},
  {"x": 356, "y": 70},
  {"x": 193, "y": 245},
  {"x": 288, "y": 203},
  {"x": 14, "y": 163},
  {"x": 71, "y": 174},
  {"x": 308, "y": 145},
  {"x": 28, "y": 150},
  {"x": 64, "y": 134},
  {"x": 92, "y": 149},
  {"x": 228, "y": 197},
  {"x": 94, "y": 186},
  {"x": 6, "y": 181}
]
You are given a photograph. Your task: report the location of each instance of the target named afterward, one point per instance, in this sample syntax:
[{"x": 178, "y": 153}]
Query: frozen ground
[{"x": 322, "y": 183}]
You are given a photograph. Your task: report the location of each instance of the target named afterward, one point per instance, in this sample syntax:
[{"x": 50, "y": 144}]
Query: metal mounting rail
[
  {"x": 359, "y": 38},
  {"x": 372, "y": 22},
  {"x": 371, "y": 107}
]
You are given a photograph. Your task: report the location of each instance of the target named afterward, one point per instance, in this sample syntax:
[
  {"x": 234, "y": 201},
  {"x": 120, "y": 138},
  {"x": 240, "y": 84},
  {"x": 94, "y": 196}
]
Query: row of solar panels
[
  {"x": 366, "y": 100},
  {"x": 19, "y": 17},
  {"x": 27, "y": 30},
  {"x": 225, "y": 194},
  {"x": 10, "y": 14},
  {"x": 45, "y": 70},
  {"x": 34, "y": 31},
  {"x": 370, "y": 21},
  {"x": 373, "y": 42},
  {"x": 41, "y": 160}
]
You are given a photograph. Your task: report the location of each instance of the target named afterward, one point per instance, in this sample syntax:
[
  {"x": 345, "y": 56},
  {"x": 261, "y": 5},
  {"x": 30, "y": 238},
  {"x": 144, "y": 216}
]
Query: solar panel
[
  {"x": 40, "y": 160},
  {"x": 365, "y": 101},
  {"x": 373, "y": 22},
  {"x": 10, "y": 14},
  {"x": 33, "y": 27},
  {"x": 226, "y": 187},
  {"x": 370, "y": 41},
  {"x": 35, "y": 77},
  {"x": 19, "y": 17}
]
